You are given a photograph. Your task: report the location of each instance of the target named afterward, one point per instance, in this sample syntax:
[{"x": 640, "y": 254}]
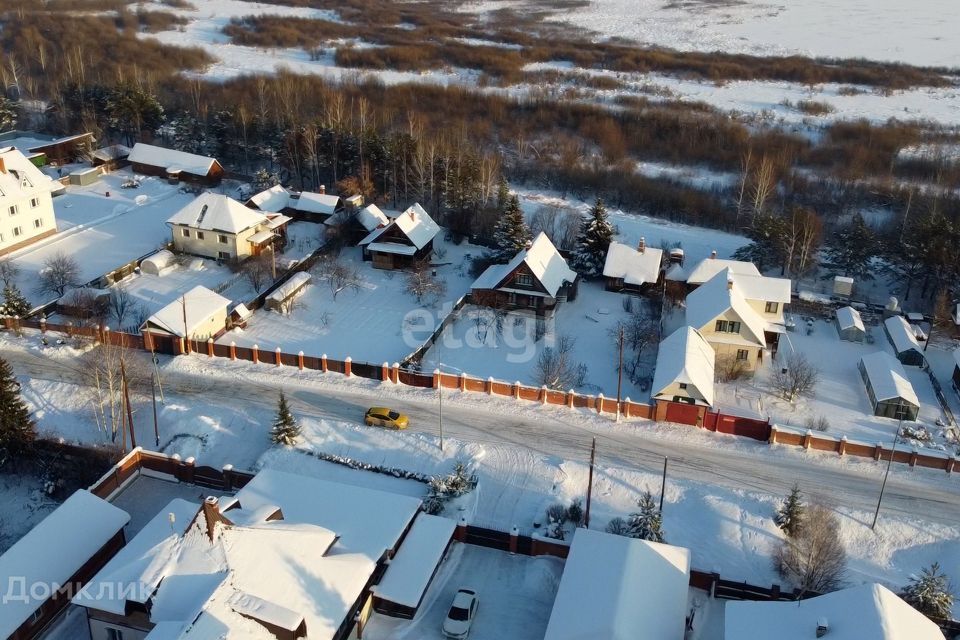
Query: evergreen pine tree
[
  {"x": 511, "y": 234},
  {"x": 647, "y": 523},
  {"x": 14, "y": 304},
  {"x": 929, "y": 593},
  {"x": 503, "y": 194},
  {"x": 851, "y": 251},
  {"x": 790, "y": 514},
  {"x": 285, "y": 427},
  {"x": 593, "y": 241},
  {"x": 17, "y": 430}
]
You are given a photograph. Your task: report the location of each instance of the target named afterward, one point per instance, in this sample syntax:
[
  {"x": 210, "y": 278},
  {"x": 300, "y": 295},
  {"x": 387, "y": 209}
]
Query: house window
[
  {"x": 524, "y": 280},
  {"x": 222, "y": 239},
  {"x": 114, "y": 634},
  {"x": 771, "y": 307},
  {"x": 38, "y": 223},
  {"x": 17, "y": 232},
  {"x": 223, "y": 255},
  {"x": 727, "y": 326},
  {"x": 34, "y": 203},
  {"x": 185, "y": 232},
  {"x": 14, "y": 209},
  {"x": 742, "y": 354},
  {"x": 199, "y": 235},
  {"x": 683, "y": 385}
]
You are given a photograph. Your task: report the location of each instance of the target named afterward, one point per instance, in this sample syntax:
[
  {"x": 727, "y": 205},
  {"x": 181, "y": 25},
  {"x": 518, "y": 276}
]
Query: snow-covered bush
[
  {"x": 618, "y": 526},
  {"x": 445, "y": 488},
  {"x": 930, "y": 593}
]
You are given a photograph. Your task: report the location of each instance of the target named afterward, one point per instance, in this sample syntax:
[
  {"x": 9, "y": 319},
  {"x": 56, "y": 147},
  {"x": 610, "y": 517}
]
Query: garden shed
[
  {"x": 890, "y": 392},
  {"x": 903, "y": 339},
  {"x": 850, "y": 325},
  {"x": 158, "y": 263}
]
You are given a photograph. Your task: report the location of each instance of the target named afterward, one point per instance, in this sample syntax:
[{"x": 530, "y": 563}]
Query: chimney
[
  {"x": 642, "y": 245},
  {"x": 822, "y": 627},
  {"x": 729, "y": 281},
  {"x": 412, "y": 215},
  {"x": 713, "y": 255},
  {"x": 322, "y": 190},
  {"x": 212, "y": 514}
]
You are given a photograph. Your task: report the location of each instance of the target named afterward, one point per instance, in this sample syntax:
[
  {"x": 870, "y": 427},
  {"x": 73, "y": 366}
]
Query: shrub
[{"x": 814, "y": 559}]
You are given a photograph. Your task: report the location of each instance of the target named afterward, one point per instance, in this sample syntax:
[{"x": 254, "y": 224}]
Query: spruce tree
[
  {"x": 790, "y": 514},
  {"x": 14, "y": 304},
  {"x": 511, "y": 234},
  {"x": 17, "y": 430},
  {"x": 647, "y": 523},
  {"x": 593, "y": 241},
  {"x": 929, "y": 593},
  {"x": 285, "y": 427},
  {"x": 851, "y": 251}
]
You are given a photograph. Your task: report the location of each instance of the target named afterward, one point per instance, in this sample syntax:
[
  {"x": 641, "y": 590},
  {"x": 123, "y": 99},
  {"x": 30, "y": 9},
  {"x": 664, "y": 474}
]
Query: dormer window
[{"x": 524, "y": 279}]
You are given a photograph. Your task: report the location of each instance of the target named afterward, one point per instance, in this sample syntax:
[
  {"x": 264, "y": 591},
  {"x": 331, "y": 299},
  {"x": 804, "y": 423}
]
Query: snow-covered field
[{"x": 370, "y": 324}]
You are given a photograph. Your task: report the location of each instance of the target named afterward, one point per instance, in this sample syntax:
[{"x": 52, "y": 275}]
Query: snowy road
[{"x": 707, "y": 458}]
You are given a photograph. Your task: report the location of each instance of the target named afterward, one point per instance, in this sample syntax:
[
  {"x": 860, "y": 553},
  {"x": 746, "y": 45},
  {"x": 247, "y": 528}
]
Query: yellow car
[{"x": 383, "y": 417}]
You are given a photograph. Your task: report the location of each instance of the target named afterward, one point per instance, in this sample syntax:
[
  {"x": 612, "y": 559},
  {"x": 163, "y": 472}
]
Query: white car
[{"x": 461, "y": 614}]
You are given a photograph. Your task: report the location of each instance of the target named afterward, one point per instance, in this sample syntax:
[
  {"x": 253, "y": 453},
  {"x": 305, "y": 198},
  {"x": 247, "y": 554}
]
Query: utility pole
[
  {"x": 186, "y": 331},
  {"x": 156, "y": 427},
  {"x": 663, "y": 484},
  {"x": 883, "y": 485},
  {"x": 126, "y": 398},
  {"x": 620, "y": 374},
  {"x": 593, "y": 456},
  {"x": 440, "y": 392},
  {"x": 156, "y": 373}
]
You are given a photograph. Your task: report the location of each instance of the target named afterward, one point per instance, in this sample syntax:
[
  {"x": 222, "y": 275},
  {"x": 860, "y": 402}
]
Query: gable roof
[
  {"x": 544, "y": 261},
  {"x": 20, "y": 177},
  {"x": 869, "y": 611},
  {"x": 310, "y": 202},
  {"x": 709, "y": 267},
  {"x": 887, "y": 378},
  {"x": 54, "y": 550},
  {"x": 849, "y": 318},
  {"x": 901, "y": 335},
  {"x": 112, "y": 152},
  {"x": 632, "y": 266},
  {"x": 620, "y": 588},
  {"x": 685, "y": 356},
  {"x": 170, "y": 160},
  {"x": 371, "y": 217},
  {"x": 415, "y": 223},
  {"x": 216, "y": 212},
  {"x": 274, "y": 199},
  {"x": 764, "y": 288},
  {"x": 201, "y": 303},
  {"x": 714, "y": 298}
]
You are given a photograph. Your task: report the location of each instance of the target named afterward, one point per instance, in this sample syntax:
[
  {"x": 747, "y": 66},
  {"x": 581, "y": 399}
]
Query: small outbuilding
[
  {"x": 199, "y": 314},
  {"x": 85, "y": 177},
  {"x": 158, "y": 263},
  {"x": 175, "y": 165},
  {"x": 850, "y": 325},
  {"x": 632, "y": 270},
  {"x": 890, "y": 392},
  {"x": 904, "y": 341},
  {"x": 685, "y": 369},
  {"x": 280, "y": 298}
]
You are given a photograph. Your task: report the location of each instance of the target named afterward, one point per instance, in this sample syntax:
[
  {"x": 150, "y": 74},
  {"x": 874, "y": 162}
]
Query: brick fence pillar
[
  {"x": 489, "y": 386},
  {"x": 773, "y": 435},
  {"x": 600, "y": 403},
  {"x": 436, "y": 378},
  {"x": 951, "y": 464},
  {"x": 8, "y": 323},
  {"x": 842, "y": 446},
  {"x": 569, "y": 399},
  {"x": 877, "y": 452},
  {"x": 233, "y": 350},
  {"x": 256, "y": 353},
  {"x": 300, "y": 361},
  {"x": 913, "y": 457},
  {"x": 228, "y": 477},
  {"x": 385, "y": 372},
  {"x": 187, "y": 469},
  {"x": 460, "y": 533},
  {"x": 278, "y": 359},
  {"x": 625, "y": 407},
  {"x": 323, "y": 363},
  {"x": 514, "y": 539},
  {"x": 543, "y": 394},
  {"x": 807, "y": 439},
  {"x": 463, "y": 381},
  {"x": 395, "y": 373},
  {"x": 516, "y": 390},
  {"x": 210, "y": 347},
  {"x": 43, "y": 324},
  {"x": 348, "y": 366}
]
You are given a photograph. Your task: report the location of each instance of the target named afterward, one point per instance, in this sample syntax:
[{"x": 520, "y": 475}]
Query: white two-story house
[{"x": 26, "y": 207}]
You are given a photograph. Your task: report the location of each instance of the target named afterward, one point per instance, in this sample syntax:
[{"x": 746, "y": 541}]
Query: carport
[{"x": 412, "y": 568}]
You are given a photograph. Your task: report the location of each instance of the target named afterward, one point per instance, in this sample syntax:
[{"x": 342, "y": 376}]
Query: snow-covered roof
[
  {"x": 261, "y": 236},
  {"x": 675, "y": 273},
  {"x": 170, "y": 159},
  {"x": 201, "y": 303},
  {"x": 371, "y": 217},
  {"x": 392, "y": 247},
  {"x": 277, "y": 220},
  {"x": 112, "y": 152},
  {"x": 901, "y": 334},
  {"x": 274, "y": 199},
  {"x": 33, "y": 142},
  {"x": 542, "y": 259},
  {"x": 685, "y": 356},
  {"x": 709, "y": 267},
  {"x": 410, "y": 570},
  {"x": 20, "y": 178},
  {"x": 849, "y": 318},
  {"x": 764, "y": 288},
  {"x": 217, "y": 212},
  {"x": 715, "y": 297},
  {"x": 620, "y": 588},
  {"x": 159, "y": 260},
  {"x": 310, "y": 202},
  {"x": 415, "y": 223},
  {"x": 888, "y": 378},
  {"x": 290, "y": 287},
  {"x": 866, "y": 612},
  {"x": 53, "y": 551},
  {"x": 631, "y": 265}
]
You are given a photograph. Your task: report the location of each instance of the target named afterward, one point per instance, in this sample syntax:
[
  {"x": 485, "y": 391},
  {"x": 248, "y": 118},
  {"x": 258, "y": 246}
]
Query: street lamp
[{"x": 893, "y": 451}]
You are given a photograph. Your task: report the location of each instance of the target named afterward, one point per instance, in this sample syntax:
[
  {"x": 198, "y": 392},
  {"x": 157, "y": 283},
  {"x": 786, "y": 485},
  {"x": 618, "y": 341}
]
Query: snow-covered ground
[
  {"x": 379, "y": 322},
  {"x": 22, "y": 505}
]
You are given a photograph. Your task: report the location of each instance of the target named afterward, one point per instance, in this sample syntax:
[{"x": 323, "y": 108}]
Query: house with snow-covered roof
[
  {"x": 904, "y": 341},
  {"x": 354, "y": 223},
  {"x": 66, "y": 548},
  {"x": 619, "y": 588},
  {"x": 403, "y": 242},
  {"x": 890, "y": 391},
  {"x": 306, "y": 205},
  {"x": 217, "y": 226},
  {"x": 175, "y": 165},
  {"x": 537, "y": 278},
  {"x": 704, "y": 270},
  {"x": 632, "y": 270},
  {"x": 685, "y": 369},
  {"x": 869, "y": 611},
  {"x": 287, "y": 557},
  {"x": 26, "y": 203}
]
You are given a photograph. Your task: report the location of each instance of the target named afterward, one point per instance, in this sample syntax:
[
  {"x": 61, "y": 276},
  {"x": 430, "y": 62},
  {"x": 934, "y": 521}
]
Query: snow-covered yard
[
  {"x": 378, "y": 322},
  {"x": 516, "y": 595},
  {"x": 22, "y": 505}
]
